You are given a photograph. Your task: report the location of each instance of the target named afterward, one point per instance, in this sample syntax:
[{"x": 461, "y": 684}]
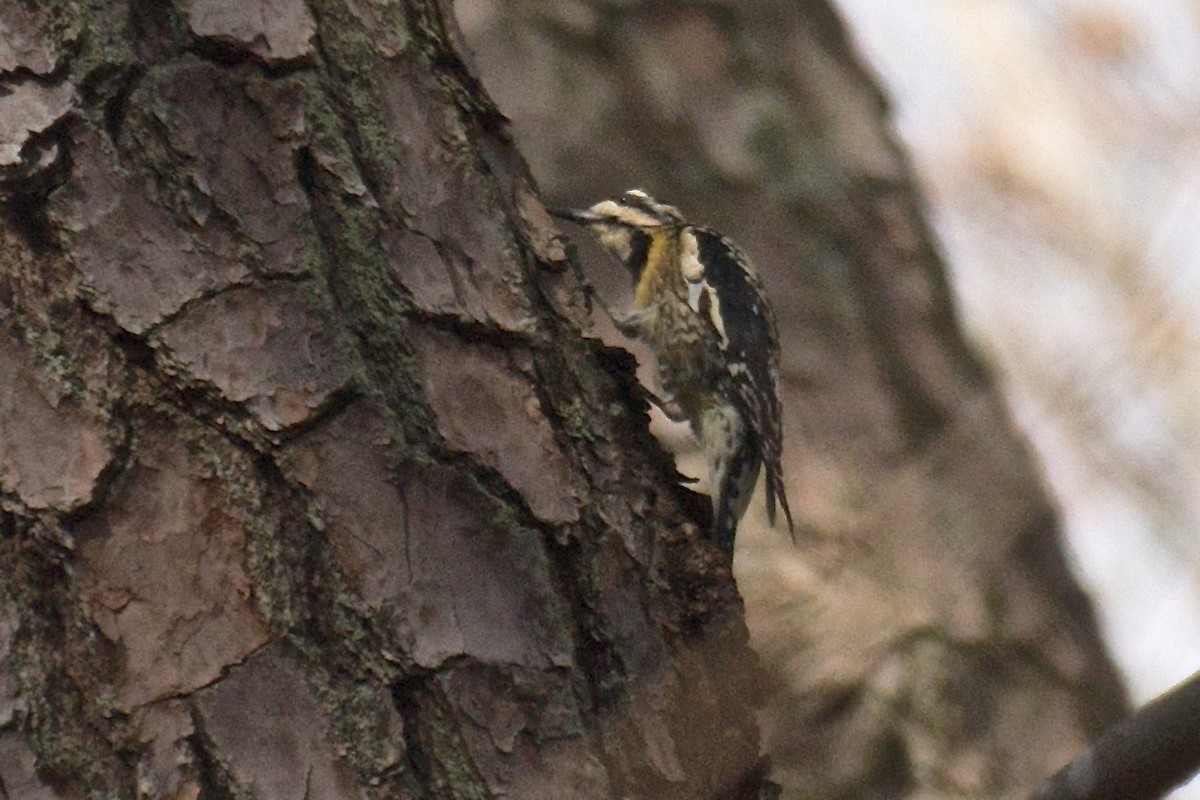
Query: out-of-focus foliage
[{"x": 1059, "y": 143}]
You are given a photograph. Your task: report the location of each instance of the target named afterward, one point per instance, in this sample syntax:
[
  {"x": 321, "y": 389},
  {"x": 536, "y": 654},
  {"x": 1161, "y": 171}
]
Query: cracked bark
[{"x": 311, "y": 482}]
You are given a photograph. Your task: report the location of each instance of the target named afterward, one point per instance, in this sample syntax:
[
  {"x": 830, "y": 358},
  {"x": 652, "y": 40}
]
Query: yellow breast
[{"x": 661, "y": 274}]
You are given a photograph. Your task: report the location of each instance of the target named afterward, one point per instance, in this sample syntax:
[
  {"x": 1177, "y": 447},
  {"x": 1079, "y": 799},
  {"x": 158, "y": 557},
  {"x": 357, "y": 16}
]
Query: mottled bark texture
[
  {"x": 926, "y": 637},
  {"x": 311, "y": 483}
]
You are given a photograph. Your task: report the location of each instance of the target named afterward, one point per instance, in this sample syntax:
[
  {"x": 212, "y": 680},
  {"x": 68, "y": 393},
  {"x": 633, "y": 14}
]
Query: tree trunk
[
  {"x": 926, "y": 637},
  {"x": 312, "y": 483}
]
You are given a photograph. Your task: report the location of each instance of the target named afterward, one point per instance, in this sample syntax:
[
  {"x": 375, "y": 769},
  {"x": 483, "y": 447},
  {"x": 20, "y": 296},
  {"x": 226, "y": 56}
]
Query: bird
[{"x": 700, "y": 308}]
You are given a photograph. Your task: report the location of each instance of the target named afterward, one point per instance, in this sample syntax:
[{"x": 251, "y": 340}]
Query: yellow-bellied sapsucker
[{"x": 698, "y": 305}]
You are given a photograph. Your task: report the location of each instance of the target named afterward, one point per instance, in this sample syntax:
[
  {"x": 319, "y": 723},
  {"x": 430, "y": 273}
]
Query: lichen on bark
[{"x": 261, "y": 267}]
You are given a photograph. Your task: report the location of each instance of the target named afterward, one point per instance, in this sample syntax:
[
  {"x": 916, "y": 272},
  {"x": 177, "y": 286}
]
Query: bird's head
[{"x": 626, "y": 225}]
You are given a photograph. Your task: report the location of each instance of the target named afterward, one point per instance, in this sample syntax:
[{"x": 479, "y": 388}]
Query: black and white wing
[{"x": 724, "y": 287}]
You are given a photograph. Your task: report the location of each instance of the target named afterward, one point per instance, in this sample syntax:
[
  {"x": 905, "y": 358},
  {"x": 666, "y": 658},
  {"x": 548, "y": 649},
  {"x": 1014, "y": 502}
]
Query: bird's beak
[{"x": 579, "y": 217}]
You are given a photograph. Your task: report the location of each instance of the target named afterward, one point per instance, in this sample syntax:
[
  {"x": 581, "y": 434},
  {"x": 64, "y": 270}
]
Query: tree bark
[
  {"x": 312, "y": 484},
  {"x": 926, "y": 637}
]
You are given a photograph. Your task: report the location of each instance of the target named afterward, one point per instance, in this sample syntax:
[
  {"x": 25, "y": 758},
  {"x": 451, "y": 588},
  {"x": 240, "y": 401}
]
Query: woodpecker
[{"x": 700, "y": 308}]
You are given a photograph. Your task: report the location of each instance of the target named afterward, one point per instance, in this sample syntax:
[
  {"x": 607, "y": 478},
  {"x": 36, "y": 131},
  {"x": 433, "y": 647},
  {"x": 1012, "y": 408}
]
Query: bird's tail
[{"x": 775, "y": 491}]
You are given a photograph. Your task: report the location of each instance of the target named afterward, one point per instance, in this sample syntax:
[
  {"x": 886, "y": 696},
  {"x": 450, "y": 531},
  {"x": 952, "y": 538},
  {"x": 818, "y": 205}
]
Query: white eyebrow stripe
[{"x": 624, "y": 214}]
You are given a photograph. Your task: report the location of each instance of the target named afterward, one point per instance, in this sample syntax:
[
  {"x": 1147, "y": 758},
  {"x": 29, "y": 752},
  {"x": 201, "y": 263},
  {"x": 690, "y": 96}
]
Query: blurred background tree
[
  {"x": 1054, "y": 142},
  {"x": 1059, "y": 145}
]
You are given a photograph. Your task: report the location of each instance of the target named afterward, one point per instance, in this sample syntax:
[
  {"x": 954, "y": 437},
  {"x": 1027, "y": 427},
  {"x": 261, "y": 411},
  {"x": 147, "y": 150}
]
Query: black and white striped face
[
  {"x": 636, "y": 209},
  {"x": 626, "y": 225}
]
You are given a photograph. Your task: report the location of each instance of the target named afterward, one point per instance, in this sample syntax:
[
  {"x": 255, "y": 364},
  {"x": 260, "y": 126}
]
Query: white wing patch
[
  {"x": 714, "y": 313},
  {"x": 702, "y": 298},
  {"x": 689, "y": 258}
]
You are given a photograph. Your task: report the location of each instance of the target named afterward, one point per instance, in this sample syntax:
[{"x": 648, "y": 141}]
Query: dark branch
[{"x": 1144, "y": 757}]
